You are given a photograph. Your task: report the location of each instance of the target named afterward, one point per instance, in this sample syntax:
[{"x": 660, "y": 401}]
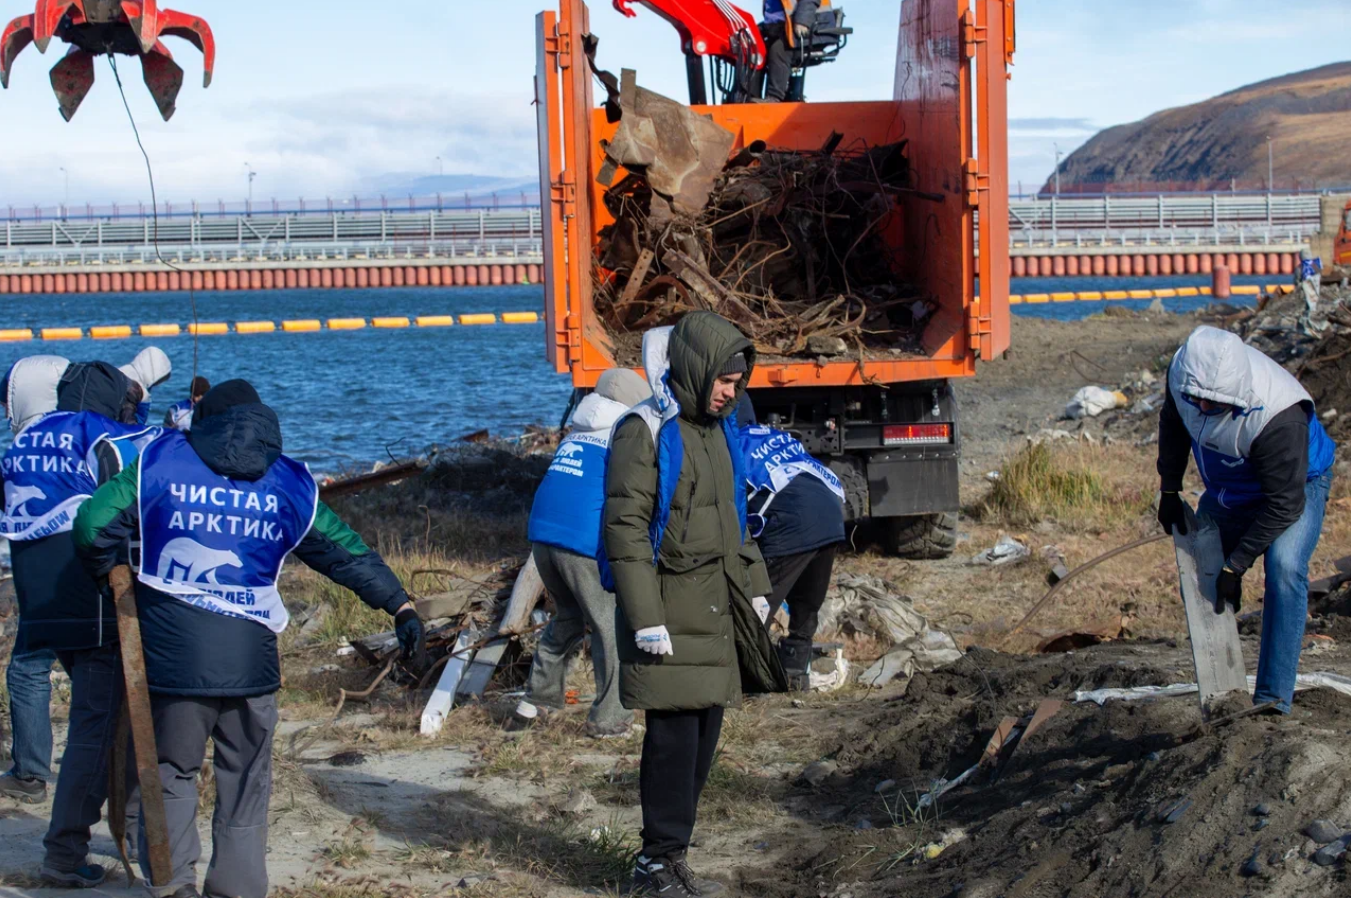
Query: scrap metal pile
[{"x": 788, "y": 245}]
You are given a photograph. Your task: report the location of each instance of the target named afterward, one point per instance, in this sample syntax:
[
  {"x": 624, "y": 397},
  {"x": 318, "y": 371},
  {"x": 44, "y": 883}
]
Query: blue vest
[
  {"x": 568, "y": 504},
  {"x": 217, "y": 543},
  {"x": 130, "y": 446},
  {"x": 670, "y": 446},
  {"x": 179, "y": 415},
  {"x": 1309, "y": 267},
  {"x": 50, "y": 469},
  {"x": 1233, "y": 478},
  {"x": 772, "y": 459}
]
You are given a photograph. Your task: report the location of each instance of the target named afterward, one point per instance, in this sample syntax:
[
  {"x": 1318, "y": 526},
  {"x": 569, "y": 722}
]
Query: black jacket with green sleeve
[{"x": 191, "y": 651}]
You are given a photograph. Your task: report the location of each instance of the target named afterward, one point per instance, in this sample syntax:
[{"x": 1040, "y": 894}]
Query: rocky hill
[{"x": 1208, "y": 144}]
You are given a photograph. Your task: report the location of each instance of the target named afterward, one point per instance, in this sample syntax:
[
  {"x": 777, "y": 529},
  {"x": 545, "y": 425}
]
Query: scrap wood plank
[
  {"x": 1216, "y": 649},
  {"x": 438, "y": 706},
  {"x": 637, "y": 276},
  {"x": 525, "y": 595},
  {"x": 481, "y": 669}
]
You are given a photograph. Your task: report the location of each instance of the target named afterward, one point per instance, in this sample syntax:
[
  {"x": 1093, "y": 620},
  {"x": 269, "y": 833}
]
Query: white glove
[
  {"x": 761, "y": 606},
  {"x": 654, "y": 640}
]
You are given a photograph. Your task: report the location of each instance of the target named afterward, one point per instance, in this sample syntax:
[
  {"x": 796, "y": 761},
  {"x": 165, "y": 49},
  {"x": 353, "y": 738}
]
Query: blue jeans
[
  {"x": 29, "y": 678},
  {"x": 1286, "y": 604}
]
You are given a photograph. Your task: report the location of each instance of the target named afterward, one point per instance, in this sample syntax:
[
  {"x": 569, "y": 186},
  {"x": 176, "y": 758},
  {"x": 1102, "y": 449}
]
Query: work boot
[
  {"x": 658, "y": 878},
  {"x": 28, "y": 791},
  {"x": 621, "y": 730},
  {"x": 702, "y": 887},
  {"x": 86, "y": 877},
  {"x": 796, "y": 661}
]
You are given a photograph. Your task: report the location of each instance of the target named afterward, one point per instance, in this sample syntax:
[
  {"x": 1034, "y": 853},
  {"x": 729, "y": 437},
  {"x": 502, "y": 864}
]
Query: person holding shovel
[
  {"x": 684, "y": 573},
  {"x": 1266, "y": 463},
  {"x": 218, "y": 510}
]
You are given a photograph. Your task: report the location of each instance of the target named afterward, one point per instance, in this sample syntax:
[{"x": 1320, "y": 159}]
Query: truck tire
[{"x": 923, "y": 537}]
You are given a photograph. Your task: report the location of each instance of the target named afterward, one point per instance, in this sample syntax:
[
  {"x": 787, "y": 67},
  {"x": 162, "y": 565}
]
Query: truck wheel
[{"x": 922, "y": 537}]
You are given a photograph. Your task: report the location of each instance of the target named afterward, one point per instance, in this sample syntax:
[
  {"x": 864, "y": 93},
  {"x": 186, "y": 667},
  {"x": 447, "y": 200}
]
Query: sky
[{"x": 341, "y": 97}]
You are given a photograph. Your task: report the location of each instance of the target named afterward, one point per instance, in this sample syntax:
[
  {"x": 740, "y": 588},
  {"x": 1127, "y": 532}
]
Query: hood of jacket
[
  {"x": 597, "y": 414},
  {"x": 150, "y": 368},
  {"x": 240, "y": 442},
  {"x": 31, "y": 387},
  {"x": 1214, "y": 364},
  {"x": 683, "y": 361},
  {"x": 93, "y": 387}
]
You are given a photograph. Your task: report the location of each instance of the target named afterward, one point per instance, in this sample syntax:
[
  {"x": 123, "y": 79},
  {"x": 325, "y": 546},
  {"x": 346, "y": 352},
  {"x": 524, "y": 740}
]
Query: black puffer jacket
[{"x": 191, "y": 651}]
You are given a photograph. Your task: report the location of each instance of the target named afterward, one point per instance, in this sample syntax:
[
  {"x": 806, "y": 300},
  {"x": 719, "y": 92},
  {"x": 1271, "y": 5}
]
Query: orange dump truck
[
  {"x": 1341, "y": 253},
  {"x": 889, "y": 427}
]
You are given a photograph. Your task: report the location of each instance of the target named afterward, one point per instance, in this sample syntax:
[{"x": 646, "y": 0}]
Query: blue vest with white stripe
[
  {"x": 218, "y": 543},
  {"x": 50, "y": 469},
  {"x": 772, "y": 459},
  {"x": 568, "y": 504}
]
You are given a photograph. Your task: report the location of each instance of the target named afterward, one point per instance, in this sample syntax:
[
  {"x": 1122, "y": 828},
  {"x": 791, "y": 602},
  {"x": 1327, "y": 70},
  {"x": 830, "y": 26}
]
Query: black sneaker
[
  {"x": 658, "y": 878},
  {"x": 87, "y": 877},
  {"x": 29, "y": 791},
  {"x": 702, "y": 887}
]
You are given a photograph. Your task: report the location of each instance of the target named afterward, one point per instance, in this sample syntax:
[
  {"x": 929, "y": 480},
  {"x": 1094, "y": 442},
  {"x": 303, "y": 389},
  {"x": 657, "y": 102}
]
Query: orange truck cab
[
  {"x": 888, "y": 426},
  {"x": 1341, "y": 252}
]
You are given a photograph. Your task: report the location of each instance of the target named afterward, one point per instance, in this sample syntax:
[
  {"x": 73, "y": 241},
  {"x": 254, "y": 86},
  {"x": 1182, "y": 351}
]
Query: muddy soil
[{"x": 1081, "y": 807}]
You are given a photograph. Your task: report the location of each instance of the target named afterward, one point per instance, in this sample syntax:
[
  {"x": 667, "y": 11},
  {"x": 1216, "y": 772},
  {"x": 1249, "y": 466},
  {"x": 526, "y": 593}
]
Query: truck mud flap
[{"x": 899, "y": 487}]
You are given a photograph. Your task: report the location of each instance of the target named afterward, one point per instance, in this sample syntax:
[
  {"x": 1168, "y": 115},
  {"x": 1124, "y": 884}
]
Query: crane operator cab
[{"x": 822, "y": 44}]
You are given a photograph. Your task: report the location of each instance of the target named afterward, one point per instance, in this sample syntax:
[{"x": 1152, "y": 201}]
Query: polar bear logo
[
  {"x": 194, "y": 562},
  {"x": 570, "y": 450},
  {"x": 18, "y": 496}
]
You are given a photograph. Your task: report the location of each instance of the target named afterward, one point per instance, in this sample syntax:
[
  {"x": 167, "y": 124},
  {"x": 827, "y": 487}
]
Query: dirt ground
[{"x": 365, "y": 806}]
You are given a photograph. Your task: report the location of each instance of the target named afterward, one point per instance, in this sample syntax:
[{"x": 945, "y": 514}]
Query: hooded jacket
[
  {"x": 30, "y": 388},
  {"x": 567, "y": 508},
  {"x": 57, "y": 460},
  {"x": 675, "y": 536},
  {"x": 1259, "y": 454},
  {"x": 196, "y": 652},
  {"x": 150, "y": 368}
]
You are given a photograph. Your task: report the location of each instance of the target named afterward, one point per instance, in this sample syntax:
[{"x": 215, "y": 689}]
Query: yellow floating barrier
[
  {"x": 208, "y": 328},
  {"x": 1140, "y": 294},
  {"x": 1016, "y": 299},
  {"x": 520, "y": 317},
  {"x": 389, "y": 322},
  {"x": 1273, "y": 288},
  {"x": 346, "y": 324},
  {"x": 1246, "y": 290},
  {"x": 1089, "y": 295},
  {"x": 1062, "y": 297},
  {"x": 110, "y": 331},
  {"x": 1188, "y": 291},
  {"x": 435, "y": 320},
  {"x": 1115, "y": 294},
  {"x": 1165, "y": 293},
  {"x": 255, "y": 327},
  {"x": 62, "y": 333},
  {"x": 1036, "y": 297},
  {"x": 160, "y": 330},
  {"x": 303, "y": 325},
  {"x": 1205, "y": 291},
  {"x": 15, "y": 334},
  {"x": 478, "y": 319}
]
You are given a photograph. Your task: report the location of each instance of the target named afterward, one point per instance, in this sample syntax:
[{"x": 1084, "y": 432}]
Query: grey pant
[
  {"x": 82, "y": 786},
  {"x": 579, "y": 600},
  {"x": 242, "y": 729}
]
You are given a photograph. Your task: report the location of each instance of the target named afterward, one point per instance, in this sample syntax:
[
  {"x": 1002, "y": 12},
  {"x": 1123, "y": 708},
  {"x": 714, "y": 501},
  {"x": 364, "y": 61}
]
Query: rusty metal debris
[{"x": 788, "y": 245}]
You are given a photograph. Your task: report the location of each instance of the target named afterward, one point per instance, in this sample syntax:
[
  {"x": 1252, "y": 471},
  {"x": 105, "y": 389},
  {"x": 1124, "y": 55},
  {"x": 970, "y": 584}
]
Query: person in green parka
[{"x": 679, "y": 555}]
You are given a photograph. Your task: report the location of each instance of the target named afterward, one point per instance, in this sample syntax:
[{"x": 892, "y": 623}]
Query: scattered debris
[
  {"x": 1317, "y": 680},
  {"x": 924, "y": 652},
  {"x": 384, "y": 474},
  {"x": 1093, "y": 401},
  {"x": 816, "y": 773},
  {"x": 1005, "y": 552},
  {"x": 1173, "y": 813}
]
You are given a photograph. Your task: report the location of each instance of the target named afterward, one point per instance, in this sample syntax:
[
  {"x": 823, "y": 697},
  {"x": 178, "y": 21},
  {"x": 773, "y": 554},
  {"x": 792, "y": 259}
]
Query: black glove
[
  {"x": 412, "y": 638},
  {"x": 1173, "y": 513},
  {"x": 1228, "y": 590}
]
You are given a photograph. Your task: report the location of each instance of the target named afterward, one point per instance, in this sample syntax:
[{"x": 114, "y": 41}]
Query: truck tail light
[{"x": 915, "y": 434}]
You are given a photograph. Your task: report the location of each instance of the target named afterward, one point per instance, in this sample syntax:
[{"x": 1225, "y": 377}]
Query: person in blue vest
[
  {"x": 218, "y": 510},
  {"x": 565, "y": 523},
  {"x": 1266, "y": 462},
  {"x": 796, "y": 514},
  {"x": 785, "y": 24},
  {"x": 29, "y": 391},
  {"x": 51, "y": 469},
  {"x": 148, "y": 370},
  {"x": 179, "y": 415}
]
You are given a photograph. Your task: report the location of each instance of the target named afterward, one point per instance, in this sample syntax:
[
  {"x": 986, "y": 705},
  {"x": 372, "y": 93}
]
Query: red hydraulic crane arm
[{"x": 709, "y": 28}]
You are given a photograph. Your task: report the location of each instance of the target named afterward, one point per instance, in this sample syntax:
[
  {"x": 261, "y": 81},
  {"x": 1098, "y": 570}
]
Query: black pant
[
  {"x": 677, "y": 756},
  {"x": 802, "y": 581},
  {"x": 778, "y": 60}
]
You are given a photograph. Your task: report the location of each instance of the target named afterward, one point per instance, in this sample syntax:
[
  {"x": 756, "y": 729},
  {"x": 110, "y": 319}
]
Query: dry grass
[{"x": 1077, "y": 486}]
